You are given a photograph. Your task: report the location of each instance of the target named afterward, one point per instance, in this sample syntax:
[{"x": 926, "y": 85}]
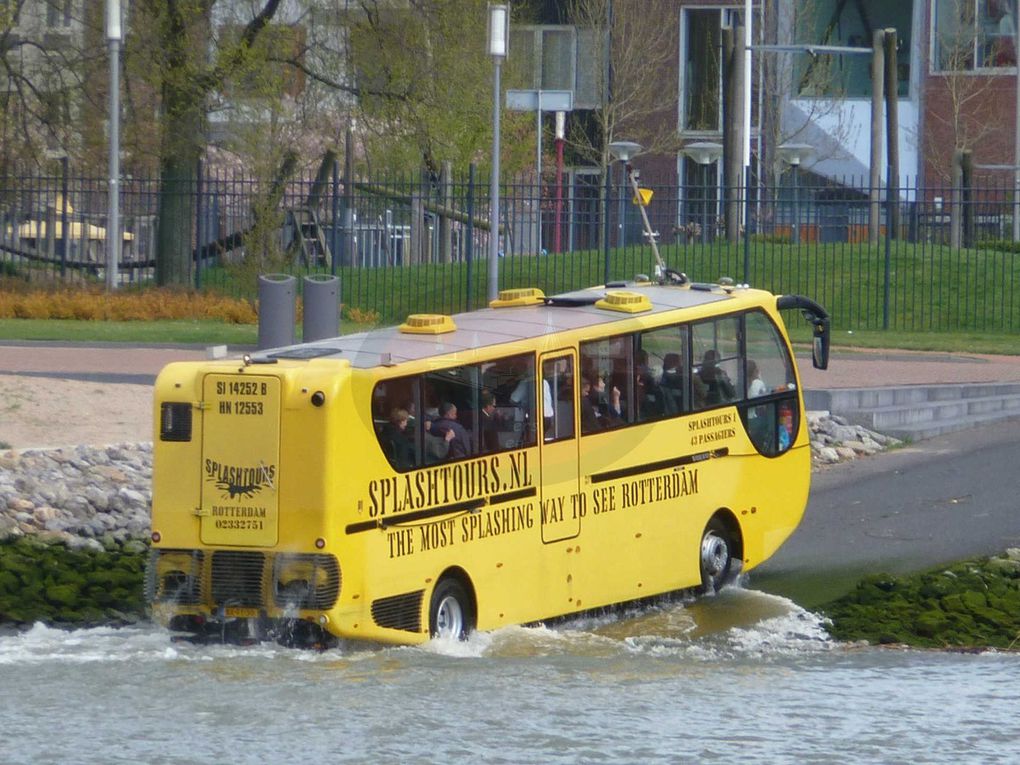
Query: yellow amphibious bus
[{"x": 538, "y": 458}]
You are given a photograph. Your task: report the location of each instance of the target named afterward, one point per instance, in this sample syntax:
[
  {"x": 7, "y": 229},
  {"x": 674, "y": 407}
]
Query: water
[{"x": 743, "y": 676}]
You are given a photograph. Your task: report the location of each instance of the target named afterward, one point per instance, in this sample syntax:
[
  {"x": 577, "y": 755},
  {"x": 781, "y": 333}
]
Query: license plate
[{"x": 238, "y": 612}]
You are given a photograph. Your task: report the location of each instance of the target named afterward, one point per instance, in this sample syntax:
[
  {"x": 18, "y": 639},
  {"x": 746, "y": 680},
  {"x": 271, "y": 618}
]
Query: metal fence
[{"x": 925, "y": 258}]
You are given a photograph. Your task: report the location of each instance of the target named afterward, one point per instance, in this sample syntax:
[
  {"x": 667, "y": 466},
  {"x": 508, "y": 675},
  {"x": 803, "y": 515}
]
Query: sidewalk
[
  {"x": 847, "y": 369},
  {"x": 873, "y": 369}
]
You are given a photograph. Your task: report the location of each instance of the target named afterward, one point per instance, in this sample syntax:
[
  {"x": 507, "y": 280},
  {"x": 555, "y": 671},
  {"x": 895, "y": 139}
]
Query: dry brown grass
[{"x": 93, "y": 304}]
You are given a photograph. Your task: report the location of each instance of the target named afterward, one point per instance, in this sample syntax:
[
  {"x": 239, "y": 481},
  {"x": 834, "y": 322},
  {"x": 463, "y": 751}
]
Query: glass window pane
[
  {"x": 394, "y": 416},
  {"x": 606, "y": 372},
  {"x": 558, "y": 59},
  {"x": 664, "y": 384},
  {"x": 717, "y": 377},
  {"x": 558, "y": 398},
  {"x": 702, "y": 70},
  {"x": 769, "y": 367}
]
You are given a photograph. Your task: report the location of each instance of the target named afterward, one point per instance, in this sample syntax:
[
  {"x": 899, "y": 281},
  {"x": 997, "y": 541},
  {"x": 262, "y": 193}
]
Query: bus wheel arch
[
  {"x": 453, "y": 609},
  {"x": 721, "y": 551}
]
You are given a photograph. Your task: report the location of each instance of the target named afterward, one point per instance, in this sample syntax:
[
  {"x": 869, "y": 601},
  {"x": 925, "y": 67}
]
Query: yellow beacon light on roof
[
  {"x": 624, "y": 302},
  {"x": 518, "y": 297},
  {"x": 428, "y": 324}
]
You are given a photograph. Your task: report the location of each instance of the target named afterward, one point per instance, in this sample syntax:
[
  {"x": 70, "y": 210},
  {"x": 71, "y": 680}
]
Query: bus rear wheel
[
  {"x": 450, "y": 611},
  {"x": 716, "y": 556}
]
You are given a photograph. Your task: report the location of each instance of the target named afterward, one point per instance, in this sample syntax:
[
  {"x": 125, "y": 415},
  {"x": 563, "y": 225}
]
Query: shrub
[{"x": 93, "y": 304}]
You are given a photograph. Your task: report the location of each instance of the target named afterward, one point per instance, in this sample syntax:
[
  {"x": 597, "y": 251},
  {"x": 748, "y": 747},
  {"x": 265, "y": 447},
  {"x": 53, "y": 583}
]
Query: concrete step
[{"x": 920, "y": 411}]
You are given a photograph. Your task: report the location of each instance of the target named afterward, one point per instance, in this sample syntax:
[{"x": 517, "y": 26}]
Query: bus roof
[{"x": 497, "y": 326}]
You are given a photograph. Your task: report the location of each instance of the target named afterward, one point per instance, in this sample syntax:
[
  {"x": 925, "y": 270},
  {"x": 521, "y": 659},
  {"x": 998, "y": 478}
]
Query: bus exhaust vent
[
  {"x": 237, "y": 578},
  {"x": 399, "y": 612},
  {"x": 174, "y": 576},
  {"x": 306, "y": 581}
]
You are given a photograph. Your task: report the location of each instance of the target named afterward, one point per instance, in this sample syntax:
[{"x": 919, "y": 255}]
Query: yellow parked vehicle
[{"x": 538, "y": 458}]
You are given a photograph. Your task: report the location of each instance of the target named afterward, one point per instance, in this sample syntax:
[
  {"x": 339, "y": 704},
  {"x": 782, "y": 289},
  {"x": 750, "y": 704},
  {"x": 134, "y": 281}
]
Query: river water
[{"x": 742, "y": 676}]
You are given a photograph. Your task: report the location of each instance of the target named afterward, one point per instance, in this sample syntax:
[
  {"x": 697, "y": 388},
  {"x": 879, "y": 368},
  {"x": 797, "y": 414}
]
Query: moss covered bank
[
  {"x": 46, "y": 582},
  {"x": 974, "y": 604},
  {"x": 970, "y": 604}
]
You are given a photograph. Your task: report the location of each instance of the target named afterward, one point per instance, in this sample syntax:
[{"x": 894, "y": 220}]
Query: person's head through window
[{"x": 399, "y": 419}]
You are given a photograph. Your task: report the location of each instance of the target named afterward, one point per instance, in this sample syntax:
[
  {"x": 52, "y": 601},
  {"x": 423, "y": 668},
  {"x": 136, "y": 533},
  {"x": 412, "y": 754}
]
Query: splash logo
[{"x": 240, "y": 481}]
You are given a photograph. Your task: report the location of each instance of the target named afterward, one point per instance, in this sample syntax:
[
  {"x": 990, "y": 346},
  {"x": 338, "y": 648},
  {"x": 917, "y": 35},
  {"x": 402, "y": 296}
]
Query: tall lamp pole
[
  {"x": 499, "y": 34},
  {"x": 113, "y": 237},
  {"x": 793, "y": 154}
]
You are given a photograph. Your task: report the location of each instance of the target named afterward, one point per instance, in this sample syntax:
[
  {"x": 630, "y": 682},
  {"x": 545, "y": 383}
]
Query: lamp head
[
  {"x": 703, "y": 152},
  {"x": 795, "y": 153},
  {"x": 624, "y": 150}
]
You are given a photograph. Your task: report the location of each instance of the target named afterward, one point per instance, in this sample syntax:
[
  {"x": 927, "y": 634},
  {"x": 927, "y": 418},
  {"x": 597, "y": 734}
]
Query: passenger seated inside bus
[
  {"x": 649, "y": 399},
  {"x": 460, "y": 442},
  {"x": 672, "y": 384},
  {"x": 599, "y": 411},
  {"x": 494, "y": 428},
  {"x": 397, "y": 441},
  {"x": 718, "y": 387},
  {"x": 755, "y": 385}
]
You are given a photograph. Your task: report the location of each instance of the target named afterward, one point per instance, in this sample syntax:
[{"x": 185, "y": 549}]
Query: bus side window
[
  {"x": 719, "y": 370},
  {"x": 661, "y": 373},
  {"x": 395, "y": 421},
  {"x": 521, "y": 397},
  {"x": 605, "y": 383}
]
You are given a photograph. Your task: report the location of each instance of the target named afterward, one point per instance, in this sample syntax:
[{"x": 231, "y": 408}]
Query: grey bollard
[
  {"x": 322, "y": 307},
  {"x": 277, "y": 304}
]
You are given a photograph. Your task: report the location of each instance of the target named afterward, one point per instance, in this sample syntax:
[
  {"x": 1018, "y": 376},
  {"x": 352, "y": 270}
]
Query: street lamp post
[
  {"x": 793, "y": 154},
  {"x": 704, "y": 153},
  {"x": 499, "y": 40},
  {"x": 623, "y": 151},
  {"x": 113, "y": 237}
]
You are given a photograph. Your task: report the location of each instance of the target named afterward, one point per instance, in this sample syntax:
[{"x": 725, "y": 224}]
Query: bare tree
[{"x": 641, "y": 44}]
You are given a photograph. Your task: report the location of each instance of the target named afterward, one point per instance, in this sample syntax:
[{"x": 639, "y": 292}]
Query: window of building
[
  {"x": 849, "y": 23},
  {"x": 973, "y": 34}
]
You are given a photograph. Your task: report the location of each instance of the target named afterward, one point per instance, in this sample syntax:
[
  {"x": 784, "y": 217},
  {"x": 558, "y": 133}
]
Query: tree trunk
[{"x": 175, "y": 220}]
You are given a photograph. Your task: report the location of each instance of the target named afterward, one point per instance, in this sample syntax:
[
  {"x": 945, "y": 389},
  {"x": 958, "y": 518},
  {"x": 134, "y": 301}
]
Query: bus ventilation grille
[
  {"x": 237, "y": 578},
  {"x": 399, "y": 612},
  {"x": 306, "y": 581},
  {"x": 174, "y": 576}
]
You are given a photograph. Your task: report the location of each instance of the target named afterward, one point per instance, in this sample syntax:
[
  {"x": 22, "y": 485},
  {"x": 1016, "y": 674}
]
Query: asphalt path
[{"x": 944, "y": 499}]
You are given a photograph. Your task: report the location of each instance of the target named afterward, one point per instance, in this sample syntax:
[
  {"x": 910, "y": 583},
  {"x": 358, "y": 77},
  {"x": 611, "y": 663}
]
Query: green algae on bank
[
  {"x": 973, "y": 604},
  {"x": 50, "y": 583}
]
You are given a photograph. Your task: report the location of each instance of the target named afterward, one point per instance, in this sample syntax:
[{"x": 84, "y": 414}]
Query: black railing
[{"x": 404, "y": 244}]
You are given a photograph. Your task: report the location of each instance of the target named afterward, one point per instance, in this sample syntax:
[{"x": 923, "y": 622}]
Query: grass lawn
[{"x": 220, "y": 333}]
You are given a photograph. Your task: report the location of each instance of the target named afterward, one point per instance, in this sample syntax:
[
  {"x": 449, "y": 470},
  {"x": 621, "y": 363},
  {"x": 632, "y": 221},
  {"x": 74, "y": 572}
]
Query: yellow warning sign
[{"x": 643, "y": 197}]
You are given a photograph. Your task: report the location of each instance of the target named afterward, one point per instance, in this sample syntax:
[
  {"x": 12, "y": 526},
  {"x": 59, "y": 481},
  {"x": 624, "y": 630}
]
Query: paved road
[{"x": 948, "y": 498}]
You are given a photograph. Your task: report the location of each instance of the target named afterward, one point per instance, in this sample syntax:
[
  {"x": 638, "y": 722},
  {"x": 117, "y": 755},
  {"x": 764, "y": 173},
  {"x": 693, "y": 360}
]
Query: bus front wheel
[
  {"x": 450, "y": 614},
  {"x": 716, "y": 556}
]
